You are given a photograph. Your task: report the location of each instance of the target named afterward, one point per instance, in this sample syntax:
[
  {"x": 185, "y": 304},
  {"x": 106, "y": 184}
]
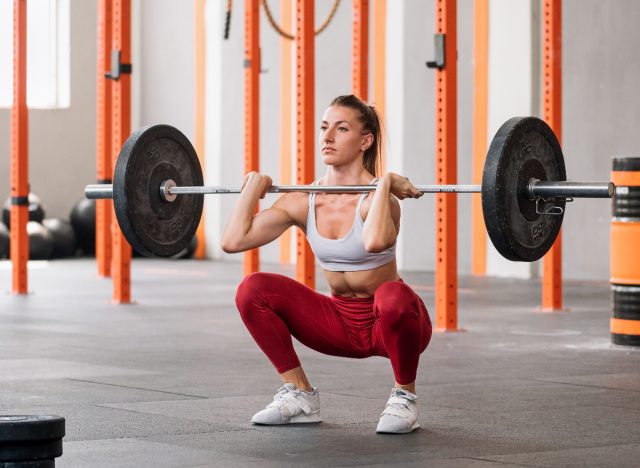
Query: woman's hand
[
  {"x": 246, "y": 230},
  {"x": 261, "y": 182},
  {"x": 401, "y": 187}
]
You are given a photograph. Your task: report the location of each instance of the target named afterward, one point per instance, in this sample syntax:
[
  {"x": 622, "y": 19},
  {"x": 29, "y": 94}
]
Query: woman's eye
[
  {"x": 343, "y": 129},
  {"x": 323, "y": 129}
]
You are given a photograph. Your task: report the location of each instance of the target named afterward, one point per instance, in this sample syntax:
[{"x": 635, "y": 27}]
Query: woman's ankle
[
  {"x": 298, "y": 378},
  {"x": 410, "y": 387}
]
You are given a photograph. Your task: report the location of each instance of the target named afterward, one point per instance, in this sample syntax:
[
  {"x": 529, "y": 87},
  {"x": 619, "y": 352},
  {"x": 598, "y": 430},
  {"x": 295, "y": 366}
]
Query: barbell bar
[
  {"x": 158, "y": 190},
  {"x": 536, "y": 189}
]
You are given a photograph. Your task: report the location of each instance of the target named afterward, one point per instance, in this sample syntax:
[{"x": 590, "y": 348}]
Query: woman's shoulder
[{"x": 296, "y": 204}]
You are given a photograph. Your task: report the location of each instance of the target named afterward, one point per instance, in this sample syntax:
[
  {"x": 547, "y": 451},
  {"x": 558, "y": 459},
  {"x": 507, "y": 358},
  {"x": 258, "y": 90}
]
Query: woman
[{"x": 371, "y": 311}]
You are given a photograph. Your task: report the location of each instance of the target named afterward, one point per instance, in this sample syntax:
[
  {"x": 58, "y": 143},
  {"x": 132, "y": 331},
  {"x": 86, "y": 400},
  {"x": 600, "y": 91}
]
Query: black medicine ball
[
  {"x": 83, "y": 220},
  {"x": 63, "y": 235}
]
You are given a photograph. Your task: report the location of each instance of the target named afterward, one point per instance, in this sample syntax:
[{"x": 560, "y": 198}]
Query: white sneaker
[
  {"x": 289, "y": 406},
  {"x": 401, "y": 414}
]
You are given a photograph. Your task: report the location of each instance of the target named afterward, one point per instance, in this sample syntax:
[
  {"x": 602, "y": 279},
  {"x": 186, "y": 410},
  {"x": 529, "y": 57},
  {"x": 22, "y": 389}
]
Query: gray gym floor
[{"x": 173, "y": 379}]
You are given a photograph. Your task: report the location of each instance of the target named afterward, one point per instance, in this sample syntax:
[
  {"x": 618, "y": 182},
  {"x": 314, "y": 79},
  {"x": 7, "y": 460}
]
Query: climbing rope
[
  {"x": 289, "y": 36},
  {"x": 227, "y": 21}
]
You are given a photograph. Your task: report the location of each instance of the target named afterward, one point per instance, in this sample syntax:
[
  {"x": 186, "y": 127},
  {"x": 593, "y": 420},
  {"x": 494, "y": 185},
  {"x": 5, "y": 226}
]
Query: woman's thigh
[{"x": 310, "y": 317}]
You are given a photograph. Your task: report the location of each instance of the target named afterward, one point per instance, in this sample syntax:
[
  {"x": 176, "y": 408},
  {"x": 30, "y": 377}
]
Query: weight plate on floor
[
  {"x": 524, "y": 148},
  {"x": 29, "y": 464},
  {"x": 24, "y": 427},
  {"x": 31, "y": 450},
  {"x": 152, "y": 225}
]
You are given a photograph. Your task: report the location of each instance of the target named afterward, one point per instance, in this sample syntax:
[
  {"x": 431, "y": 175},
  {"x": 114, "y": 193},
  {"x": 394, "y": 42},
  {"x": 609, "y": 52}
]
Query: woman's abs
[{"x": 360, "y": 283}]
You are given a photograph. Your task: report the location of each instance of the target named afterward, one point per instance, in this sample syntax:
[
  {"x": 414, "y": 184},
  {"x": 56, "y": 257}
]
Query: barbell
[{"x": 158, "y": 190}]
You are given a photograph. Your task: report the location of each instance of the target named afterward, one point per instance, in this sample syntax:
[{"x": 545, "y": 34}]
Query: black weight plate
[
  {"x": 29, "y": 464},
  {"x": 523, "y": 148},
  {"x": 152, "y": 225},
  {"x": 31, "y": 450},
  {"x": 18, "y": 428}
]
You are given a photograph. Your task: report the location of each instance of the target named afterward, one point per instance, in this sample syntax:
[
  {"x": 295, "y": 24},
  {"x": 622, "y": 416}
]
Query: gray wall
[
  {"x": 601, "y": 112},
  {"x": 167, "y": 70},
  {"x": 62, "y": 142}
]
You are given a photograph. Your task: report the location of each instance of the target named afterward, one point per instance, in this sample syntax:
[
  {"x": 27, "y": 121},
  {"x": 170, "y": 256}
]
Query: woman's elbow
[
  {"x": 230, "y": 247},
  {"x": 227, "y": 248},
  {"x": 376, "y": 246}
]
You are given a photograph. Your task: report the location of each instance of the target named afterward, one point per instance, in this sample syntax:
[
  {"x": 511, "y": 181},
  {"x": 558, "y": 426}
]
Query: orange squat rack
[
  {"x": 121, "y": 128},
  {"x": 305, "y": 125},
  {"x": 19, "y": 152},
  {"x": 104, "y": 168},
  {"x": 252, "y": 108},
  {"x": 446, "y": 274},
  {"x": 360, "y": 49},
  {"x": 480, "y": 132},
  {"x": 552, "y": 92}
]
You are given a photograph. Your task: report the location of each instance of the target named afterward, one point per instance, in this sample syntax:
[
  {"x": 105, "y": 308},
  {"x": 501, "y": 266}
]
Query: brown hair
[{"x": 368, "y": 117}]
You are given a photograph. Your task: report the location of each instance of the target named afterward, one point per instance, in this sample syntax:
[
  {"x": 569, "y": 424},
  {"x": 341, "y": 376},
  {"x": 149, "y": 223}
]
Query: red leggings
[{"x": 394, "y": 323}]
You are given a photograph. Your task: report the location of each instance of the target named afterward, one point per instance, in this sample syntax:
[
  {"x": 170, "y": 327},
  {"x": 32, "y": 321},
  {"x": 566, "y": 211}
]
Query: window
[{"x": 48, "y": 52}]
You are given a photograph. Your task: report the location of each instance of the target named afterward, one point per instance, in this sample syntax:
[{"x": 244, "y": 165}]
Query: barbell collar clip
[{"x": 552, "y": 210}]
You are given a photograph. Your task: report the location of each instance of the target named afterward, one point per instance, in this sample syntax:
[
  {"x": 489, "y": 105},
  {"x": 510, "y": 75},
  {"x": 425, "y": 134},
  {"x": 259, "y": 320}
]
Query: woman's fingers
[{"x": 267, "y": 181}]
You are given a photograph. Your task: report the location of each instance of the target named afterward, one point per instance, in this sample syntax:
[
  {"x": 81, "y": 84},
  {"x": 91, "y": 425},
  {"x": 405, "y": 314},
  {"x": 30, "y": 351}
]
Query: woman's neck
[{"x": 347, "y": 176}]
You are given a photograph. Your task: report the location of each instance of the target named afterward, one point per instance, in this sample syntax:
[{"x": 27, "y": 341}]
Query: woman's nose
[{"x": 328, "y": 135}]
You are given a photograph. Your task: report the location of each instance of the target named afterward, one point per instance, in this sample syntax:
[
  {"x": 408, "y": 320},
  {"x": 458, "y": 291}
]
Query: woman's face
[{"x": 341, "y": 136}]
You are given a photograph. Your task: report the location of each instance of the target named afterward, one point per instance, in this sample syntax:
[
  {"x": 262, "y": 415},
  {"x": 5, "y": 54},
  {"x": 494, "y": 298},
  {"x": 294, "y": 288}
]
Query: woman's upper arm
[
  {"x": 394, "y": 206},
  {"x": 395, "y": 212},
  {"x": 385, "y": 235},
  {"x": 270, "y": 223}
]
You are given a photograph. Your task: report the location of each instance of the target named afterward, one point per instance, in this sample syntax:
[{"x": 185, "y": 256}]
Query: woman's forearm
[{"x": 241, "y": 218}]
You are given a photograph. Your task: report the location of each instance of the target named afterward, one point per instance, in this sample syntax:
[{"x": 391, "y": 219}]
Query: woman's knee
[
  {"x": 251, "y": 288},
  {"x": 396, "y": 300}
]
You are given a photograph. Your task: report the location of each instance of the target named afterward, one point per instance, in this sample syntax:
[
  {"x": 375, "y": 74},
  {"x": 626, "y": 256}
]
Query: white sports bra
[{"x": 348, "y": 252}]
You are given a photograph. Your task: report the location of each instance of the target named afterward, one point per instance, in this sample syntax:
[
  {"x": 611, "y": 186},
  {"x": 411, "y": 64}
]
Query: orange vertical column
[
  {"x": 285, "y": 117},
  {"x": 200, "y": 80},
  {"x": 252, "y": 107},
  {"x": 552, "y": 92},
  {"x": 379, "y": 66},
  {"x": 446, "y": 153},
  {"x": 121, "y": 127},
  {"x": 305, "y": 125},
  {"x": 104, "y": 171},
  {"x": 19, "y": 152},
  {"x": 480, "y": 117},
  {"x": 360, "y": 49}
]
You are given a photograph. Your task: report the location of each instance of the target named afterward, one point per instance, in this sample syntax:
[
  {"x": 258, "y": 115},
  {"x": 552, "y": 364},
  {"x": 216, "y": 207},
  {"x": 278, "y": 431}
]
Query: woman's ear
[{"x": 367, "y": 141}]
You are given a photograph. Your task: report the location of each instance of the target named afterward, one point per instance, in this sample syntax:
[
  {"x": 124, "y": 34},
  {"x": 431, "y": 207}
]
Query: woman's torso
[{"x": 335, "y": 215}]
